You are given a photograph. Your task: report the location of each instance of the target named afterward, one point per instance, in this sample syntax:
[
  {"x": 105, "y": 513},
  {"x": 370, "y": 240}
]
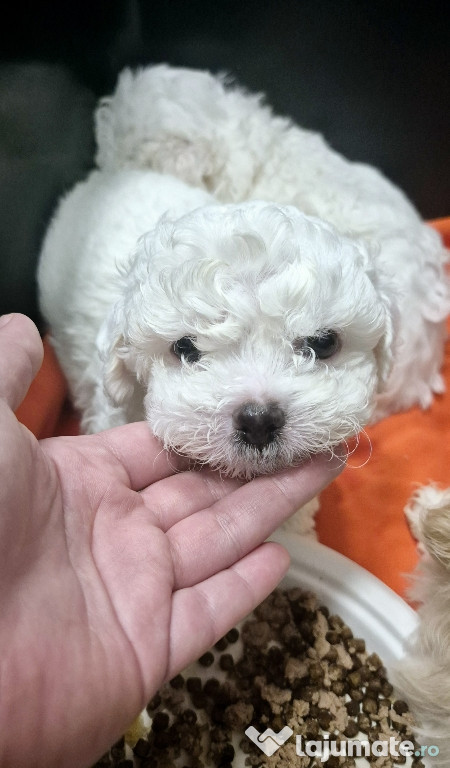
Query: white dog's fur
[
  {"x": 423, "y": 676},
  {"x": 171, "y": 237}
]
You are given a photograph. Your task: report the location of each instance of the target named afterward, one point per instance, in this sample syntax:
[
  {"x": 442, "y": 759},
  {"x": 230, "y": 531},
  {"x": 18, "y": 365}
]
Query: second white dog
[{"x": 250, "y": 332}]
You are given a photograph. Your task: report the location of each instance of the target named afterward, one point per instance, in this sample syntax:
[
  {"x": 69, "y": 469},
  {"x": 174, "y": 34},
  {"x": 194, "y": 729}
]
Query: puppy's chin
[
  {"x": 236, "y": 459},
  {"x": 246, "y": 461}
]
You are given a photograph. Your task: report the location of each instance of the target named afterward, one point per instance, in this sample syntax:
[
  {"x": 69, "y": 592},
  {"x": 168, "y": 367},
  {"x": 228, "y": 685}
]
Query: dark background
[{"x": 372, "y": 76}]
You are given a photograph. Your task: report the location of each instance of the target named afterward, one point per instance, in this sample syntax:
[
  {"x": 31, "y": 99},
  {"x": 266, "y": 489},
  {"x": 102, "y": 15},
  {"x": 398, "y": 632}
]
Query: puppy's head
[{"x": 260, "y": 336}]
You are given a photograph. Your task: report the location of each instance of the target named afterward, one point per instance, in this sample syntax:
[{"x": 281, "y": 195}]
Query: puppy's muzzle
[{"x": 258, "y": 425}]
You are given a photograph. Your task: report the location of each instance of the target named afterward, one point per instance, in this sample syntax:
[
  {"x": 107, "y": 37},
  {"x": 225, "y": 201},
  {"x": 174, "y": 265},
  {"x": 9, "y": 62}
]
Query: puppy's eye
[
  {"x": 186, "y": 349},
  {"x": 325, "y": 344}
]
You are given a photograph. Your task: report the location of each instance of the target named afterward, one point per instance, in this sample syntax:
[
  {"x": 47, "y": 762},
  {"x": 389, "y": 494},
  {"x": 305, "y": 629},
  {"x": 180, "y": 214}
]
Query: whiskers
[{"x": 354, "y": 446}]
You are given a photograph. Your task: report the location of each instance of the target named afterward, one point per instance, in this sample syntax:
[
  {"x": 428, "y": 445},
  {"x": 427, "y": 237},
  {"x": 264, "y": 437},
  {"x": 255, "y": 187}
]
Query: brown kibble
[
  {"x": 324, "y": 719},
  {"x": 211, "y": 687},
  {"x": 221, "y": 644},
  {"x": 355, "y": 645},
  {"x": 161, "y": 740},
  {"x": 387, "y": 689},
  {"x": 346, "y": 633},
  {"x": 332, "y": 637},
  {"x": 352, "y": 729},
  {"x": 226, "y": 662},
  {"x": 306, "y": 632},
  {"x": 336, "y": 672},
  {"x": 305, "y": 692},
  {"x": 117, "y": 754},
  {"x": 336, "y": 622},
  {"x": 189, "y": 716},
  {"x": 312, "y": 728},
  {"x": 193, "y": 684},
  {"x": 374, "y": 685},
  {"x": 154, "y": 703},
  {"x": 296, "y": 645},
  {"x": 199, "y": 699},
  {"x": 226, "y": 754},
  {"x": 400, "y": 707},
  {"x": 370, "y": 706},
  {"x": 256, "y": 634},
  {"x": 331, "y": 655},
  {"x": 141, "y": 748},
  {"x": 245, "y": 745},
  {"x": 219, "y": 736},
  {"x": 207, "y": 659},
  {"x": 374, "y": 662},
  {"x": 353, "y": 707},
  {"x": 339, "y": 687},
  {"x": 332, "y": 762},
  {"x": 233, "y": 635},
  {"x": 218, "y": 715},
  {"x": 177, "y": 682},
  {"x": 364, "y": 723},
  {"x": 160, "y": 721},
  {"x": 238, "y": 715},
  {"x": 316, "y": 672},
  {"x": 354, "y": 679},
  {"x": 356, "y": 694}
]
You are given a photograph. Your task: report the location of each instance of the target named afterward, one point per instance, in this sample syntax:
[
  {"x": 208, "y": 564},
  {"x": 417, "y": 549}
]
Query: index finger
[{"x": 213, "y": 539}]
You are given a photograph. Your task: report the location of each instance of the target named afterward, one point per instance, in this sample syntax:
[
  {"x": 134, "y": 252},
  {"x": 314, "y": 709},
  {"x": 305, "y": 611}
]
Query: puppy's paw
[{"x": 428, "y": 514}]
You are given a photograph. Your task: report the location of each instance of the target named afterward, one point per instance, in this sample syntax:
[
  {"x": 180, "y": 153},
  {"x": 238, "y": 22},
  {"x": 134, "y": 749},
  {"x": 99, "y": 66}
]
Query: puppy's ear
[
  {"x": 384, "y": 351},
  {"x": 119, "y": 379},
  {"x": 388, "y": 298}
]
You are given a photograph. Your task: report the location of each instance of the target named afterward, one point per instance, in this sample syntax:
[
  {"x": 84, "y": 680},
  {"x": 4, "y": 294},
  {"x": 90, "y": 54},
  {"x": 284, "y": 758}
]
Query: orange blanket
[{"x": 361, "y": 513}]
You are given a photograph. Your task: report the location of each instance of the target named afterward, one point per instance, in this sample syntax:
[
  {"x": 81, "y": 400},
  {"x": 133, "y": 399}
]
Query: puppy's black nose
[{"x": 258, "y": 424}]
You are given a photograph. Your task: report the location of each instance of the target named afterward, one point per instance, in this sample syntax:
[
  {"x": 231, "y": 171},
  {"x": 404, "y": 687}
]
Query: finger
[
  {"x": 140, "y": 454},
  {"x": 21, "y": 354},
  {"x": 201, "y": 614},
  {"x": 212, "y": 539},
  {"x": 181, "y": 495}
]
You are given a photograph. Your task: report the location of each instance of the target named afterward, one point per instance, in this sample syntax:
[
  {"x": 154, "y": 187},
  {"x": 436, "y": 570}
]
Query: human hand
[{"x": 118, "y": 568}]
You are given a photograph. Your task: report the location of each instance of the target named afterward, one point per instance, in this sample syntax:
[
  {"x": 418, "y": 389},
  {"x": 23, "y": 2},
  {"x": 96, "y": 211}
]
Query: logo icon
[{"x": 269, "y": 741}]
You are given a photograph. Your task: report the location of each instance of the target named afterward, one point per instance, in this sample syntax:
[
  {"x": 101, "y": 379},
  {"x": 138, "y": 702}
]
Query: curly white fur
[
  {"x": 186, "y": 162},
  {"x": 423, "y": 676}
]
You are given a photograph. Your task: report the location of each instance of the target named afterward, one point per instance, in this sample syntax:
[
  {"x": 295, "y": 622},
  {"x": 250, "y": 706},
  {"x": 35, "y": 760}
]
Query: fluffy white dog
[
  {"x": 227, "y": 275},
  {"x": 423, "y": 676}
]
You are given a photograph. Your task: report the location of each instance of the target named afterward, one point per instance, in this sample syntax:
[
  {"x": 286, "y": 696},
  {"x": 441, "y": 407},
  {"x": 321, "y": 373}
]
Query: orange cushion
[{"x": 361, "y": 513}]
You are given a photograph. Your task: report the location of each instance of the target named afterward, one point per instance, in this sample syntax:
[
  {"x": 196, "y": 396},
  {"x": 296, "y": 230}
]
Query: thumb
[{"x": 21, "y": 354}]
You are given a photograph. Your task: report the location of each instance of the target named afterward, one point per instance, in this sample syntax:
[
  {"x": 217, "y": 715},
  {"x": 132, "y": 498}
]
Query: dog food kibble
[
  {"x": 177, "y": 682},
  {"x": 221, "y": 644},
  {"x": 291, "y": 664},
  {"x": 194, "y": 684},
  {"x": 233, "y": 635}
]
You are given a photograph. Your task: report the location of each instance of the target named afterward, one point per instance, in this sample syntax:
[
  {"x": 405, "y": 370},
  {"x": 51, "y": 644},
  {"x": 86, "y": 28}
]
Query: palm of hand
[{"x": 97, "y": 598}]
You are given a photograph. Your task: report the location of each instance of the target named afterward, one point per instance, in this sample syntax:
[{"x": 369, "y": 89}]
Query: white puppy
[
  {"x": 251, "y": 334},
  {"x": 423, "y": 676}
]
